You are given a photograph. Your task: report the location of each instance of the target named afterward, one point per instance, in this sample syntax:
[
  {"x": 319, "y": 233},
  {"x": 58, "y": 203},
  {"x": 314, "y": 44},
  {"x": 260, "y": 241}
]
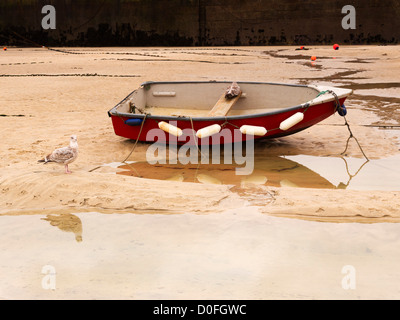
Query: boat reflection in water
[{"x": 273, "y": 171}]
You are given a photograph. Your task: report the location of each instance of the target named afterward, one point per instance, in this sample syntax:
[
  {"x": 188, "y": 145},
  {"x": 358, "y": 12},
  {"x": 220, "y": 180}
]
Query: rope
[
  {"x": 133, "y": 148},
  {"x": 351, "y": 176},
  {"x": 352, "y": 136},
  {"x": 337, "y": 106},
  {"x": 227, "y": 122},
  {"x": 137, "y": 139},
  {"x": 195, "y": 140}
]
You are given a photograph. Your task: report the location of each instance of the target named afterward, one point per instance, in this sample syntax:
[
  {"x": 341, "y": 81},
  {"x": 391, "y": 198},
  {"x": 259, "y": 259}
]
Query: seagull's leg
[{"x": 66, "y": 169}]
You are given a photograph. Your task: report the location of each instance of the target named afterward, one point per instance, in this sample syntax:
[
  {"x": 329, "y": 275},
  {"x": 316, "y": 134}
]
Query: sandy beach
[{"x": 141, "y": 238}]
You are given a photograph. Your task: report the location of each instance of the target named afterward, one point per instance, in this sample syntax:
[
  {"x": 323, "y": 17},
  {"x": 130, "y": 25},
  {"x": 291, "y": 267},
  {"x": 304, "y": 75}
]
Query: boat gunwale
[{"x": 317, "y": 88}]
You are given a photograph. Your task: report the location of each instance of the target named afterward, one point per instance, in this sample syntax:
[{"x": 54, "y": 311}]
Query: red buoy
[{"x": 336, "y": 46}]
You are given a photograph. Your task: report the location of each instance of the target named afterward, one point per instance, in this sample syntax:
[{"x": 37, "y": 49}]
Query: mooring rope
[
  {"x": 133, "y": 148},
  {"x": 137, "y": 139},
  {"x": 195, "y": 140},
  {"x": 351, "y": 176},
  {"x": 337, "y": 107},
  {"x": 352, "y": 136}
]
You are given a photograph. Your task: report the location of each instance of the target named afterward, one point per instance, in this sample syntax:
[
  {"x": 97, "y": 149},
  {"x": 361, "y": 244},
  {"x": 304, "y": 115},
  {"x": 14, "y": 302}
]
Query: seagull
[{"x": 64, "y": 155}]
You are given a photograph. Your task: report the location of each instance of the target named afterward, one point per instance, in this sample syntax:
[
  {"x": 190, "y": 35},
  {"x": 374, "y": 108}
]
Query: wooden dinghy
[{"x": 181, "y": 112}]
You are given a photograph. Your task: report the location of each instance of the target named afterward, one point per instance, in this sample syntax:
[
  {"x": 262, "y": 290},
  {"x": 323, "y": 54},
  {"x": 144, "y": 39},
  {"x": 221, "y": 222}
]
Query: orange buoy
[
  {"x": 313, "y": 58},
  {"x": 5, "y": 48}
]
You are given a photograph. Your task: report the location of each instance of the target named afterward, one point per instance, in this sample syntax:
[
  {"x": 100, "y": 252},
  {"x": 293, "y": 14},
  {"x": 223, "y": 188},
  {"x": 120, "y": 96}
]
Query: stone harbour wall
[{"x": 198, "y": 22}]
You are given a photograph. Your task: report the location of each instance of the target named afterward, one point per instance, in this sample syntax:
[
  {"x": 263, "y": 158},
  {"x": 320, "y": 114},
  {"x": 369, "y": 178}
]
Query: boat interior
[{"x": 197, "y": 99}]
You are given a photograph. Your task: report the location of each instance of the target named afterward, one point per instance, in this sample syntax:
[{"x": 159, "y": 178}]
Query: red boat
[{"x": 184, "y": 112}]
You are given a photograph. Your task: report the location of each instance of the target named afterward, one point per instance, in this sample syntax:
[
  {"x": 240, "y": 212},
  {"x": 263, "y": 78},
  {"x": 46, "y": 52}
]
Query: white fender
[
  {"x": 253, "y": 130},
  {"x": 291, "y": 121},
  {"x": 175, "y": 131},
  {"x": 208, "y": 131}
]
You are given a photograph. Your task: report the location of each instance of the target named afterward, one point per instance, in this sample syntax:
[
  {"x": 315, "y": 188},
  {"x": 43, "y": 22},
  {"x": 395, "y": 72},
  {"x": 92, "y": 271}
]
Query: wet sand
[{"x": 162, "y": 227}]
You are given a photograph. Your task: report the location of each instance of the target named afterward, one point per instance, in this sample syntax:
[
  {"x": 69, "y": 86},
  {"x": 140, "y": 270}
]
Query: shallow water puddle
[
  {"x": 300, "y": 171},
  {"x": 234, "y": 255},
  {"x": 356, "y": 174}
]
